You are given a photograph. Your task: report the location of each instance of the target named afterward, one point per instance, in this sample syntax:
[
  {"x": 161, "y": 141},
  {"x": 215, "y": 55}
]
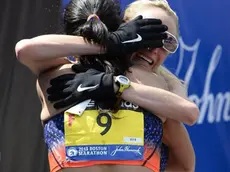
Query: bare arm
[
  {"x": 181, "y": 152},
  {"x": 172, "y": 106},
  {"x": 53, "y": 46},
  {"x": 46, "y": 49},
  {"x": 162, "y": 103}
]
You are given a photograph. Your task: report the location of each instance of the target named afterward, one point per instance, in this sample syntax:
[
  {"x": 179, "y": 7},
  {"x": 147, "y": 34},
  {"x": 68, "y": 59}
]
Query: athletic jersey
[{"x": 132, "y": 136}]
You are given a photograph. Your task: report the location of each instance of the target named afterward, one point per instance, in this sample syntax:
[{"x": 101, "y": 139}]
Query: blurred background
[{"x": 203, "y": 61}]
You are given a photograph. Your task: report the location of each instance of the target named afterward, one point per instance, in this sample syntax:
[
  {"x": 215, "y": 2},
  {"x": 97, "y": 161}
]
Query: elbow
[
  {"x": 178, "y": 166},
  {"x": 182, "y": 168},
  {"x": 22, "y": 49},
  {"x": 192, "y": 112},
  {"x": 189, "y": 169}
]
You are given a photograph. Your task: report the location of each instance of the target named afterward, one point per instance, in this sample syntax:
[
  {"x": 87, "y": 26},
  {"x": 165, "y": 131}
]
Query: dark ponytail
[
  {"x": 76, "y": 21},
  {"x": 94, "y": 30},
  {"x": 107, "y": 18}
]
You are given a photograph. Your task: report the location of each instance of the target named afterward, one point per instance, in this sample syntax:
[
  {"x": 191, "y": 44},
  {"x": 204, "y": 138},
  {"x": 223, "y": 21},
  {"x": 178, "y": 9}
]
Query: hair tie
[{"x": 93, "y": 16}]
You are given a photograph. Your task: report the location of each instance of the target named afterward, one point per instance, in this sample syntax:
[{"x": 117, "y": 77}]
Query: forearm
[
  {"x": 54, "y": 46},
  {"x": 162, "y": 103},
  {"x": 181, "y": 152},
  {"x": 175, "y": 166}
]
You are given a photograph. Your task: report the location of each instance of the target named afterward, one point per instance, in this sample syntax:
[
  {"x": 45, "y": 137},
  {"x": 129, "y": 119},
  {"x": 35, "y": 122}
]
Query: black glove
[
  {"x": 148, "y": 33},
  {"x": 71, "y": 89}
]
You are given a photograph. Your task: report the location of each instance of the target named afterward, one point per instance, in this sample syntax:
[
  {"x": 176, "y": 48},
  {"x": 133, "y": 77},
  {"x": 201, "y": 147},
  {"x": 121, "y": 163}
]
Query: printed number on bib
[
  {"x": 106, "y": 125},
  {"x": 101, "y": 136}
]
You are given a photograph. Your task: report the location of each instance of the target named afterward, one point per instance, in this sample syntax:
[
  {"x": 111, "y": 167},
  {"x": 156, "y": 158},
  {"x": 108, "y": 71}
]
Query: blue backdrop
[{"x": 203, "y": 61}]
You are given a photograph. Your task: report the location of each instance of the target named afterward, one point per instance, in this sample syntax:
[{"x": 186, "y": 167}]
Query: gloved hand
[
  {"x": 71, "y": 89},
  {"x": 137, "y": 34}
]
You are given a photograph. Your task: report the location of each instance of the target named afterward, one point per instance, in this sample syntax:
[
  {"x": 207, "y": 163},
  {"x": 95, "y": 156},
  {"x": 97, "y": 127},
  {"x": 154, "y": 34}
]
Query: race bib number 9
[{"x": 100, "y": 136}]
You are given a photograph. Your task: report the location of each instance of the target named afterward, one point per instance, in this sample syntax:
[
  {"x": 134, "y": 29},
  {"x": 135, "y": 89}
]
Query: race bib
[{"x": 101, "y": 136}]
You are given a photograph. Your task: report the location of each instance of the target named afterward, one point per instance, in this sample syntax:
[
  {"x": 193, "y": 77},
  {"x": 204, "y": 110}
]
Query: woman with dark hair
[{"x": 95, "y": 136}]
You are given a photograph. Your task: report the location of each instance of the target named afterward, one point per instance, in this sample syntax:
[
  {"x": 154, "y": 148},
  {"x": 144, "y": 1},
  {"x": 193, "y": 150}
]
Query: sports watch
[{"x": 123, "y": 83}]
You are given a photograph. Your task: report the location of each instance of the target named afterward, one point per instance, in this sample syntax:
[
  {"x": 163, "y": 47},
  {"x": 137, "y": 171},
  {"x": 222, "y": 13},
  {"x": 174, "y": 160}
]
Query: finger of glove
[
  {"x": 58, "y": 96},
  {"x": 148, "y": 21},
  {"x": 153, "y": 28},
  {"x": 66, "y": 102},
  {"x": 153, "y": 36},
  {"x": 78, "y": 68},
  {"x": 151, "y": 44},
  {"x": 71, "y": 89},
  {"x": 93, "y": 72},
  {"x": 57, "y": 88},
  {"x": 62, "y": 79},
  {"x": 136, "y": 19},
  {"x": 148, "y": 44}
]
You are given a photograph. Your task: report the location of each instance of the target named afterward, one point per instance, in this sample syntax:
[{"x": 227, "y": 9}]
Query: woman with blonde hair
[{"x": 95, "y": 139}]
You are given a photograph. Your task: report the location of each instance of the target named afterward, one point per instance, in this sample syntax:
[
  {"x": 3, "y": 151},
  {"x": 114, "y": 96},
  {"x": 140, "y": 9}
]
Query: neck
[{"x": 143, "y": 67}]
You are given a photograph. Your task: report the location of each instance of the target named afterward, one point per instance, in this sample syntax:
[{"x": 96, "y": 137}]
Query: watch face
[{"x": 123, "y": 80}]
